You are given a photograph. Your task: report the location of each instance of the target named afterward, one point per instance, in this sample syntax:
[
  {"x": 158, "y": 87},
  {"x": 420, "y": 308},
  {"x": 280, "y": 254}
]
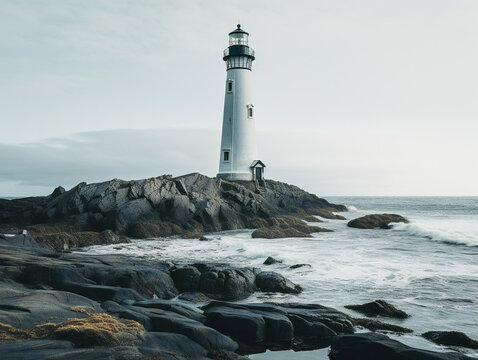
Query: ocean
[{"x": 428, "y": 267}]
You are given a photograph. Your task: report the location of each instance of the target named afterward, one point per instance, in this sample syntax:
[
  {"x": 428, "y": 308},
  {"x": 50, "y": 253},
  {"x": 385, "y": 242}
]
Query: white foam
[
  {"x": 351, "y": 208},
  {"x": 455, "y": 231}
]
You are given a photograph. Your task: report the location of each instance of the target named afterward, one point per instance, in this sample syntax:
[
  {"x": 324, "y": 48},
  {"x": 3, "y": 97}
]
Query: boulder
[
  {"x": 270, "y": 261},
  {"x": 379, "y": 308},
  {"x": 374, "y": 221},
  {"x": 269, "y": 281},
  {"x": 186, "y": 278},
  {"x": 146, "y": 281},
  {"x": 451, "y": 338},
  {"x": 372, "y": 346}
]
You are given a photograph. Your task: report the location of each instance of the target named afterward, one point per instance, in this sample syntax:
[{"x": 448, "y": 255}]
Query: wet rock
[
  {"x": 186, "y": 278},
  {"x": 26, "y": 309},
  {"x": 297, "y": 266},
  {"x": 146, "y": 281},
  {"x": 260, "y": 326},
  {"x": 176, "y": 307},
  {"x": 328, "y": 214},
  {"x": 372, "y": 346},
  {"x": 286, "y": 226},
  {"x": 379, "y": 308},
  {"x": 270, "y": 261},
  {"x": 451, "y": 338},
  {"x": 375, "y": 221},
  {"x": 269, "y": 281},
  {"x": 194, "y": 297},
  {"x": 227, "y": 283},
  {"x": 375, "y": 325}
]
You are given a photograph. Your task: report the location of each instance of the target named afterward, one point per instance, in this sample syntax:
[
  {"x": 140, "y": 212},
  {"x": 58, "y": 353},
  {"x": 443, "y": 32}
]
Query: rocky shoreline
[{"x": 58, "y": 304}]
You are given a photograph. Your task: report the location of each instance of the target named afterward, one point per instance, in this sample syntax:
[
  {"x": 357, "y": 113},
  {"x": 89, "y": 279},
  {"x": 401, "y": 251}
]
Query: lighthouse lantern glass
[{"x": 238, "y": 39}]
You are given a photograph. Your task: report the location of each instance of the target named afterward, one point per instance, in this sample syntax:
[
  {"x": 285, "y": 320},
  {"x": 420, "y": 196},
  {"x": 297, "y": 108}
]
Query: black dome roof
[{"x": 238, "y": 30}]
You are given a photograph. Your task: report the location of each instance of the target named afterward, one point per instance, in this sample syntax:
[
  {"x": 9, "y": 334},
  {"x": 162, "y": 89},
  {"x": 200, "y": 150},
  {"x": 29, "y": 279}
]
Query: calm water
[{"x": 429, "y": 267}]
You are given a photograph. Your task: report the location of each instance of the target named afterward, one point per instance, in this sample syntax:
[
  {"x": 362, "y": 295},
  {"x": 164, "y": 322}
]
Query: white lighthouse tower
[{"x": 238, "y": 158}]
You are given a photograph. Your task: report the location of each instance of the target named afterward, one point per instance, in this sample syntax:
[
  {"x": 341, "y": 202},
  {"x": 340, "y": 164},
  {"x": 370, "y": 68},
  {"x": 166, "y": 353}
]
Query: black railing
[{"x": 239, "y": 50}]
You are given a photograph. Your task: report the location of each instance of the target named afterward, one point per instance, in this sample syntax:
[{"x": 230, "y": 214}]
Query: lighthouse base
[{"x": 247, "y": 176}]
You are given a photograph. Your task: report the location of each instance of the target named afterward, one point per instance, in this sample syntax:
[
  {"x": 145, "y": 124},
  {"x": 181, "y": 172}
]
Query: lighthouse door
[{"x": 258, "y": 173}]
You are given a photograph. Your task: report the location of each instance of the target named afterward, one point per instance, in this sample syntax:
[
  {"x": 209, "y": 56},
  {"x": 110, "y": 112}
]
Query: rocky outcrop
[
  {"x": 155, "y": 207},
  {"x": 257, "y": 327},
  {"x": 370, "y": 346},
  {"x": 285, "y": 226},
  {"x": 269, "y": 281},
  {"x": 217, "y": 282},
  {"x": 451, "y": 338},
  {"x": 379, "y": 308},
  {"x": 376, "y": 221}
]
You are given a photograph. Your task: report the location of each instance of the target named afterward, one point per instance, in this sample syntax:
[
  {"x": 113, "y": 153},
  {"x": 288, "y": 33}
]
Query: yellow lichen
[{"x": 95, "y": 330}]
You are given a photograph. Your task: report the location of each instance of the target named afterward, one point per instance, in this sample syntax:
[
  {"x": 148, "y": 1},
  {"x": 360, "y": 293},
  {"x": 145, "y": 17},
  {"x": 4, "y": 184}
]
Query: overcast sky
[{"x": 351, "y": 97}]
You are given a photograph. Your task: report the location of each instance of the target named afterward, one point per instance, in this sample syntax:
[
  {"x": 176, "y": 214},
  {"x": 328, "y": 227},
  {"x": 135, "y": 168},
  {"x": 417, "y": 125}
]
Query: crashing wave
[{"x": 467, "y": 235}]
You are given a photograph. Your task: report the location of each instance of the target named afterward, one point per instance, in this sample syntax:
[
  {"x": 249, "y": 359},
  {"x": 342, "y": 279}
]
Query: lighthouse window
[
  {"x": 226, "y": 155},
  {"x": 229, "y": 86},
  {"x": 250, "y": 111}
]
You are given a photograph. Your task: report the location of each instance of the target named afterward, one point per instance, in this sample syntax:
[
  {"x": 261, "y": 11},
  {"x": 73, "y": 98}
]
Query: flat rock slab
[
  {"x": 36, "y": 307},
  {"x": 376, "y": 221},
  {"x": 372, "y": 346}
]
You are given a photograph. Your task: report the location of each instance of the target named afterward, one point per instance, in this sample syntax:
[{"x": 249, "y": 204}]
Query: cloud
[
  {"x": 371, "y": 162},
  {"x": 102, "y": 155}
]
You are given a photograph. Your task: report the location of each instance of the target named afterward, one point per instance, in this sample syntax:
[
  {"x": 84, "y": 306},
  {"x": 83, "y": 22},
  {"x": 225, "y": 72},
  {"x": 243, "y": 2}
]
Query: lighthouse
[{"x": 238, "y": 155}]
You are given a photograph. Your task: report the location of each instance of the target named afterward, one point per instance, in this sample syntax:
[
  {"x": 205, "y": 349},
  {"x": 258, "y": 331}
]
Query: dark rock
[
  {"x": 186, "y": 278},
  {"x": 375, "y": 221},
  {"x": 146, "y": 281},
  {"x": 328, "y": 214},
  {"x": 311, "y": 218},
  {"x": 379, "y": 308},
  {"x": 296, "y": 266},
  {"x": 260, "y": 326},
  {"x": 173, "y": 343},
  {"x": 57, "y": 192},
  {"x": 176, "y": 307},
  {"x": 451, "y": 338},
  {"x": 153, "y": 229},
  {"x": 269, "y": 281},
  {"x": 286, "y": 226},
  {"x": 194, "y": 297},
  {"x": 19, "y": 240},
  {"x": 375, "y": 325},
  {"x": 270, "y": 260},
  {"x": 372, "y": 346},
  {"x": 103, "y": 292},
  {"x": 241, "y": 324},
  {"x": 26, "y": 309}
]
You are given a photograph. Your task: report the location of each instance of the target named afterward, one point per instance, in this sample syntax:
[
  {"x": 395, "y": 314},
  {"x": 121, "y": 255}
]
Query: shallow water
[{"x": 428, "y": 268}]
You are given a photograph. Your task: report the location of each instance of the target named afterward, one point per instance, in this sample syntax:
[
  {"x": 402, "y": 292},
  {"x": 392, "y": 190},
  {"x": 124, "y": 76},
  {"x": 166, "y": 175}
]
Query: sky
[{"x": 350, "y": 97}]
